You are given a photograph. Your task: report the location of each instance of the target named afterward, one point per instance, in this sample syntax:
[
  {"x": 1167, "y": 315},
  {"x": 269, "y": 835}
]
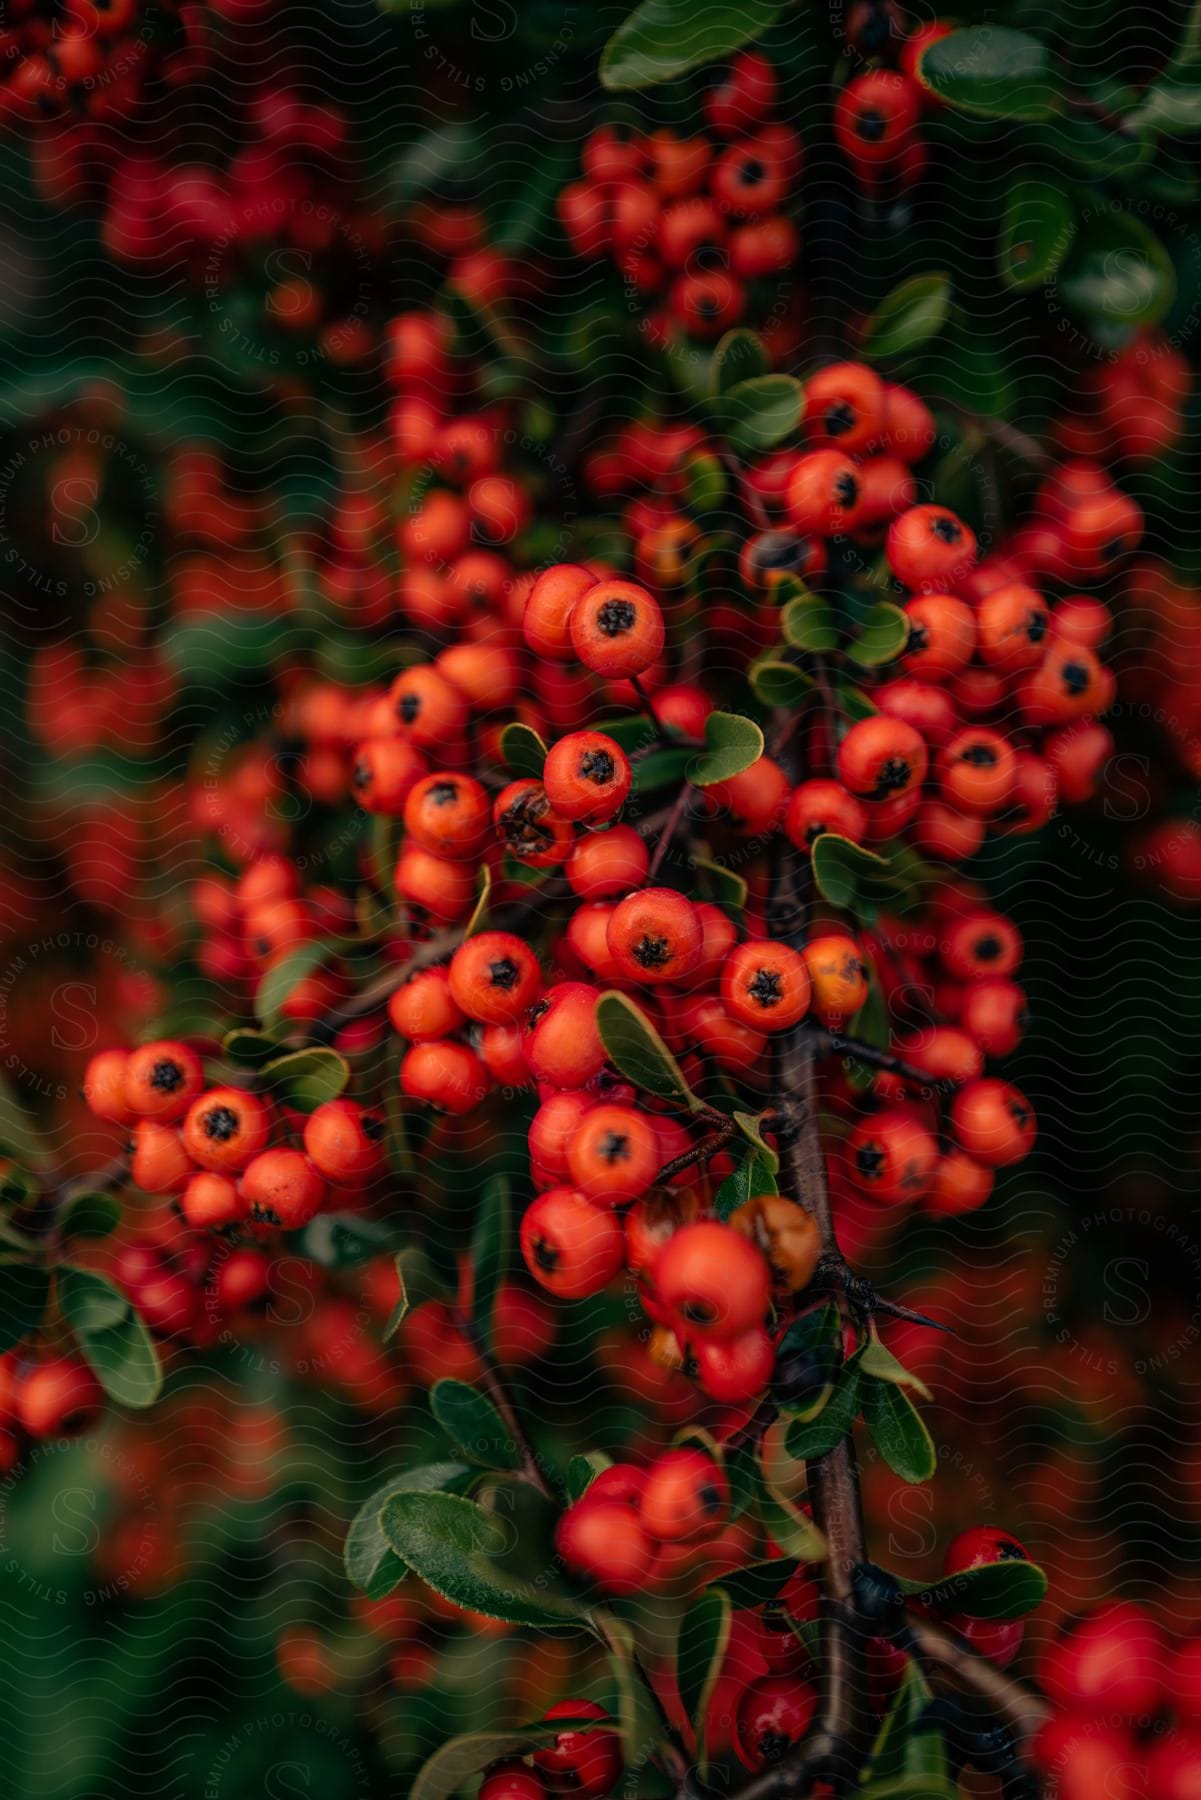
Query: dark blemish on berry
[
  {"x": 1075, "y": 677},
  {"x": 871, "y": 126},
  {"x": 407, "y": 708},
  {"x": 362, "y": 776},
  {"x": 892, "y": 779},
  {"x": 870, "y": 1160},
  {"x": 948, "y": 531},
  {"x": 614, "y": 1147},
  {"x": 980, "y": 756},
  {"x": 536, "y": 1013},
  {"x": 373, "y": 1127},
  {"x": 1036, "y": 626},
  {"x": 988, "y": 948},
  {"x": 840, "y": 418},
  {"x": 846, "y": 490},
  {"x": 444, "y": 793},
  {"x": 221, "y": 1124},
  {"x": 545, "y": 1255},
  {"x": 652, "y": 952},
  {"x": 503, "y": 973},
  {"x": 596, "y": 766},
  {"x": 616, "y": 617},
  {"x": 166, "y": 1077},
  {"x": 765, "y": 988}
]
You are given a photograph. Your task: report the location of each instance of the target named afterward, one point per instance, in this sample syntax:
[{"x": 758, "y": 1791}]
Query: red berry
[
  {"x": 570, "y": 1246},
  {"x": 717, "y": 1282}
]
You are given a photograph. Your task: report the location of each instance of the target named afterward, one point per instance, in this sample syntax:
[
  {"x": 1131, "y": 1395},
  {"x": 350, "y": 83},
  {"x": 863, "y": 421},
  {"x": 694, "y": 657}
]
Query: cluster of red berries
[
  {"x": 689, "y": 224},
  {"x": 942, "y": 1129},
  {"x": 1131, "y": 405},
  {"x": 636, "y": 1528},
  {"x": 587, "y": 1762},
  {"x": 92, "y": 59},
  {"x": 212, "y": 1145},
  {"x": 1129, "y": 1700},
  {"x": 878, "y": 114}
]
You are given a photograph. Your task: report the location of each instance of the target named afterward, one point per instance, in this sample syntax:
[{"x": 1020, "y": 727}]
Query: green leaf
[
  {"x": 757, "y": 1583},
  {"x": 758, "y": 413},
  {"x": 1119, "y": 275},
  {"x": 24, "y": 1292},
  {"x": 740, "y": 356},
  {"x": 455, "y": 1547},
  {"x": 371, "y": 1564},
  {"x": 776, "y": 683},
  {"x": 470, "y": 1419},
  {"x": 841, "y": 869},
  {"x": 418, "y": 1282},
  {"x": 882, "y": 636},
  {"x": 306, "y": 1079},
  {"x": 751, "y": 1127},
  {"x": 811, "y": 1438},
  {"x": 906, "y": 1745},
  {"x": 112, "y": 1338},
  {"x": 898, "y": 1429},
  {"x": 701, "y": 1648},
  {"x": 283, "y": 976},
  {"x": 914, "y": 312},
  {"x": 89, "y": 1216},
  {"x": 451, "y": 1767},
  {"x": 705, "y": 484},
  {"x": 810, "y": 624},
  {"x": 732, "y": 744},
  {"x": 1000, "y": 1590},
  {"x": 993, "y": 71},
  {"x": 662, "y": 768},
  {"x": 816, "y": 1336},
  {"x": 523, "y": 750},
  {"x": 664, "y": 38},
  {"x": 877, "y": 1360},
  {"x": 490, "y": 1248},
  {"x": 752, "y": 1175},
  {"x": 852, "y": 700},
  {"x": 90, "y": 1302},
  {"x": 1037, "y": 228},
  {"x": 434, "y": 155},
  {"x": 344, "y": 1240},
  {"x": 250, "y": 1047},
  {"x": 583, "y": 1470},
  {"x": 791, "y": 1530},
  {"x": 635, "y": 1048},
  {"x": 17, "y": 1132},
  {"x": 633, "y": 731},
  {"x": 723, "y": 886}
]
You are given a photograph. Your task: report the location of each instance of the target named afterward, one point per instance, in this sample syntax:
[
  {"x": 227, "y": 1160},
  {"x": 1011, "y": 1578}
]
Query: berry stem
[
  {"x": 702, "y": 1152},
  {"x": 1012, "y": 1703},
  {"x": 667, "y": 835}
]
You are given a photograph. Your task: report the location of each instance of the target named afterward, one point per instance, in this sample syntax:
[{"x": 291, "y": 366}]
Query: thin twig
[{"x": 1008, "y": 1700}]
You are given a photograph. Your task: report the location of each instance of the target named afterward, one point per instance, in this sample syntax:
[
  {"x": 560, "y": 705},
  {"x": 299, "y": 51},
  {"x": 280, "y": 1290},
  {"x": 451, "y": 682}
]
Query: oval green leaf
[
  {"x": 306, "y": 1079},
  {"x": 454, "y": 1547},
  {"x": 881, "y": 637},
  {"x": 470, "y": 1419},
  {"x": 1037, "y": 228},
  {"x": 756, "y": 414},
  {"x": 899, "y": 1431},
  {"x": 664, "y": 38},
  {"x": 732, "y": 744},
  {"x": 370, "y": 1562},
  {"x": 637, "y": 1051},
  {"x": 993, "y": 71},
  {"x": 523, "y": 749},
  {"x": 841, "y": 868},
  {"x": 912, "y": 314}
]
